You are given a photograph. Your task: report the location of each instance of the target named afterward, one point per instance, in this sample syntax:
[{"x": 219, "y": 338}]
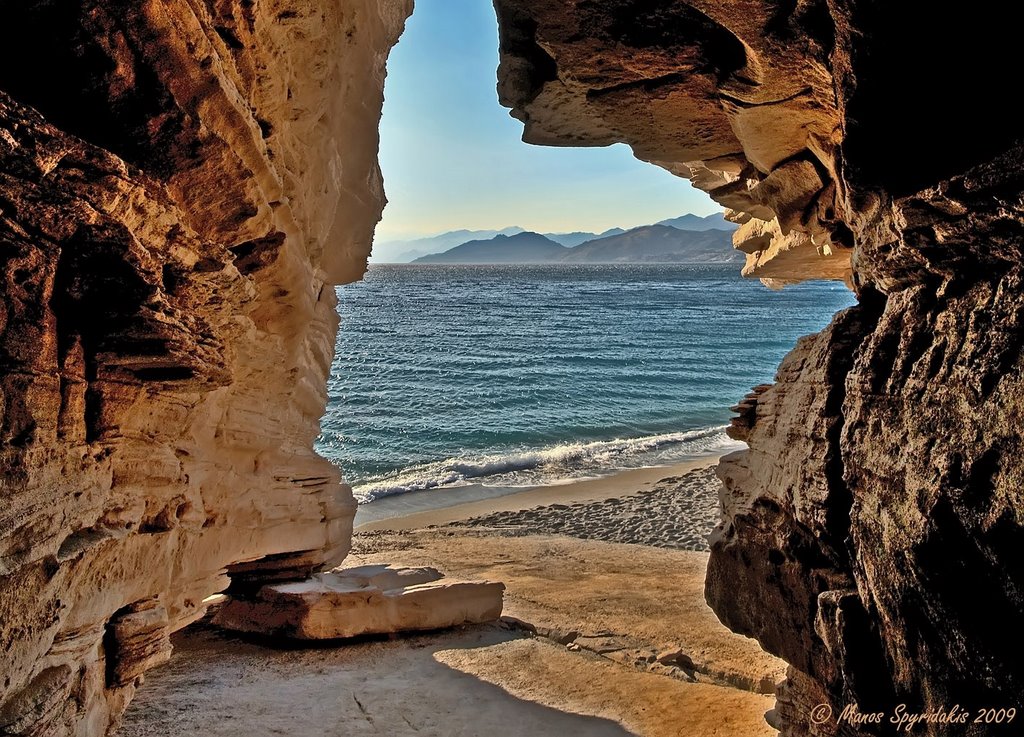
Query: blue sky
[{"x": 453, "y": 158}]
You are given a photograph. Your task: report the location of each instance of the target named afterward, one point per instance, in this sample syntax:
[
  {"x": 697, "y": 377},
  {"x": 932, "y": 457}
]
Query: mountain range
[
  {"x": 405, "y": 251},
  {"x": 658, "y": 244},
  {"x": 689, "y": 221},
  {"x": 647, "y": 244}
]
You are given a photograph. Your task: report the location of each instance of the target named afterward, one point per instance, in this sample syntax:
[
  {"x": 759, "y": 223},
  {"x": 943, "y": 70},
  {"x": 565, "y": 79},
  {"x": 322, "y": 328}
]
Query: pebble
[{"x": 678, "y": 513}]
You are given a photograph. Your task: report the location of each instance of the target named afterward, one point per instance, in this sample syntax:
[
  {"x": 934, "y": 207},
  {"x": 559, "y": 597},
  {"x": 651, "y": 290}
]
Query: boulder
[{"x": 368, "y": 600}]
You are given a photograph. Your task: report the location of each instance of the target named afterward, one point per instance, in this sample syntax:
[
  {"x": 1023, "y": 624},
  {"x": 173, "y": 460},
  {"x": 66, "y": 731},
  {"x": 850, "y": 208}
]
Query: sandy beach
[
  {"x": 444, "y": 506},
  {"x": 605, "y": 631}
]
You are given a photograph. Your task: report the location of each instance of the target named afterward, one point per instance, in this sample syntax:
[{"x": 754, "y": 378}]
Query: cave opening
[
  {"x": 531, "y": 315},
  {"x": 450, "y": 379}
]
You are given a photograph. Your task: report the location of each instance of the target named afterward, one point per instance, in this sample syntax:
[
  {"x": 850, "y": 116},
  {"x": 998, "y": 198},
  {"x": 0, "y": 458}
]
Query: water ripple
[{"x": 441, "y": 363}]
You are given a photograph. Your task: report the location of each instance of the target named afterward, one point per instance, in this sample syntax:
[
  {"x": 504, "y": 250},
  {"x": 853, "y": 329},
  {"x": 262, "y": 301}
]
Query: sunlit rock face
[
  {"x": 871, "y": 533},
  {"x": 181, "y": 186},
  {"x": 737, "y": 96},
  {"x": 182, "y": 183}
]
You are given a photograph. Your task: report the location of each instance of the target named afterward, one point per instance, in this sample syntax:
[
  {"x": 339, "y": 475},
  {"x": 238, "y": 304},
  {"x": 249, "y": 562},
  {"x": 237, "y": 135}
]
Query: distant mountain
[
  {"x": 405, "y": 257},
  {"x": 522, "y": 248},
  {"x": 658, "y": 244},
  {"x": 574, "y": 239},
  {"x": 716, "y": 221},
  {"x": 683, "y": 222},
  {"x": 405, "y": 251},
  {"x": 649, "y": 244}
]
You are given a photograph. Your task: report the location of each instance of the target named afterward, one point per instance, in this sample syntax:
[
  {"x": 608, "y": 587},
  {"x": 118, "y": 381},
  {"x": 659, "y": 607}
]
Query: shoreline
[
  {"x": 441, "y": 507},
  {"x": 606, "y": 630}
]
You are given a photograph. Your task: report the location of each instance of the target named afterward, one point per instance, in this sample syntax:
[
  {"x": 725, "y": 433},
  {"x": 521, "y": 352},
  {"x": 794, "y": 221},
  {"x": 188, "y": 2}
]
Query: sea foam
[{"x": 548, "y": 465}]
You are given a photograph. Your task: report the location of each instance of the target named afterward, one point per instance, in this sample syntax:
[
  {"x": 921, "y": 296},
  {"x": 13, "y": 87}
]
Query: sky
[{"x": 453, "y": 158}]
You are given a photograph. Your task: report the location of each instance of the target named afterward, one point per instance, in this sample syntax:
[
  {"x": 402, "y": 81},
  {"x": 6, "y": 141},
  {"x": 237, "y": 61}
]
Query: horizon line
[{"x": 540, "y": 232}]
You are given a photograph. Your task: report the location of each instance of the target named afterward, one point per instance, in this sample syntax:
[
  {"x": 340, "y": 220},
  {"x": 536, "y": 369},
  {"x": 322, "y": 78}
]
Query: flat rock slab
[{"x": 368, "y": 600}]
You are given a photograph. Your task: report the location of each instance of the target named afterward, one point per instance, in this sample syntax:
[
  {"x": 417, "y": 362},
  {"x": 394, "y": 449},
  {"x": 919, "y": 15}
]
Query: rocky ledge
[{"x": 366, "y": 600}]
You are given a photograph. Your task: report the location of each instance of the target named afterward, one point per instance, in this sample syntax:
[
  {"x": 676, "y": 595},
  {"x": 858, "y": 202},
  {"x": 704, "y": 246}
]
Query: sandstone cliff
[
  {"x": 181, "y": 186},
  {"x": 870, "y": 534}
]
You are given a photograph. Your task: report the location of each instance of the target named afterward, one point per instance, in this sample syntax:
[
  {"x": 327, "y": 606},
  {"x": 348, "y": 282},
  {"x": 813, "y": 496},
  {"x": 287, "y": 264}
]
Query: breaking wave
[{"x": 548, "y": 465}]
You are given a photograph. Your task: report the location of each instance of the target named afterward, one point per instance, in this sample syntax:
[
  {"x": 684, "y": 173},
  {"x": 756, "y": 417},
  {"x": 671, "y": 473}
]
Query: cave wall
[
  {"x": 182, "y": 183},
  {"x": 870, "y": 534},
  {"x": 181, "y": 186}
]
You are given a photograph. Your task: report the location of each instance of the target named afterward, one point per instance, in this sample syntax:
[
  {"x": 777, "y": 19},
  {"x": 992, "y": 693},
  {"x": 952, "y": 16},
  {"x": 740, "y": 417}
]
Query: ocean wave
[{"x": 547, "y": 465}]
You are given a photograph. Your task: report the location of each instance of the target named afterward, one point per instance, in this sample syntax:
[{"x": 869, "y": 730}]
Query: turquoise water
[{"x": 521, "y": 375}]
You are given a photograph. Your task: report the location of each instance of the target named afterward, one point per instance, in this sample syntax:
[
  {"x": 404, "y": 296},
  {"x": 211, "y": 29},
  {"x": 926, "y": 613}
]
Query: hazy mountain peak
[
  {"x": 715, "y": 221},
  {"x": 520, "y": 248},
  {"x": 658, "y": 243},
  {"x": 404, "y": 251}
]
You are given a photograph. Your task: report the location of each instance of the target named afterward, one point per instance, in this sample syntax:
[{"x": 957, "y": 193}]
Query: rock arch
[{"x": 179, "y": 194}]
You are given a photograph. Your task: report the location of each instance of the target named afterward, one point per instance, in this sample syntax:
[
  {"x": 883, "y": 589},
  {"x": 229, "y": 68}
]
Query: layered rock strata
[
  {"x": 367, "y": 600},
  {"x": 181, "y": 186},
  {"x": 870, "y": 533},
  {"x": 182, "y": 183},
  {"x": 705, "y": 90}
]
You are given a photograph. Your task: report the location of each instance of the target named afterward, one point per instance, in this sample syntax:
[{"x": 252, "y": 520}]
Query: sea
[{"x": 517, "y": 376}]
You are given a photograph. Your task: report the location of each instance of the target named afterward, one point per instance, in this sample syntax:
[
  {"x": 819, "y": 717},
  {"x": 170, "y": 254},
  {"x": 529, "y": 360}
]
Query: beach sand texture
[
  {"x": 439, "y": 507},
  {"x": 677, "y": 512},
  {"x": 608, "y": 633}
]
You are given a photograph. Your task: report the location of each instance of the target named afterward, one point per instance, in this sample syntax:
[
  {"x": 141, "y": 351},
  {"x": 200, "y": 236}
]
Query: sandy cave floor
[
  {"x": 476, "y": 682},
  {"x": 618, "y": 605}
]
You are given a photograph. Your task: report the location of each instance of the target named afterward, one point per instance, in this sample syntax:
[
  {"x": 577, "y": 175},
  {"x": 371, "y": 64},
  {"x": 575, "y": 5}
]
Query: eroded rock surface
[
  {"x": 869, "y": 534},
  {"x": 181, "y": 186},
  {"x": 737, "y": 96},
  {"x": 367, "y": 600},
  {"x": 182, "y": 183}
]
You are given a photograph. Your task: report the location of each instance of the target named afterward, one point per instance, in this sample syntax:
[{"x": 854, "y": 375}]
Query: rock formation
[
  {"x": 181, "y": 186},
  {"x": 870, "y": 533},
  {"x": 366, "y": 600},
  {"x": 182, "y": 183}
]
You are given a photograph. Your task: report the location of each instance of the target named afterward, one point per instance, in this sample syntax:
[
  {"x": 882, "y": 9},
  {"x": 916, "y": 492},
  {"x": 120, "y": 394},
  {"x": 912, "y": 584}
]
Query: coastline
[
  {"x": 438, "y": 507},
  {"x": 606, "y": 630}
]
